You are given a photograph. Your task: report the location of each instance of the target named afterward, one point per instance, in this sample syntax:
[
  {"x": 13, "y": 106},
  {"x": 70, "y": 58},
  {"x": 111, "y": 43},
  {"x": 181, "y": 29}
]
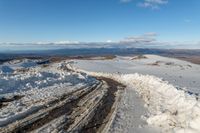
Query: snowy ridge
[{"x": 170, "y": 109}]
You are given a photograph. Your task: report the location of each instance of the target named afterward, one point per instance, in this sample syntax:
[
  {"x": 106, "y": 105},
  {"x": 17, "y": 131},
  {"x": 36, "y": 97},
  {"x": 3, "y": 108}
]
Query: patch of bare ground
[
  {"x": 192, "y": 59},
  {"x": 103, "y": 113},
  {"x": 138, "y": 57},
  {"x": 5, "y": 100},
  {"x": 58, "y": 59},
  {"x": 109, "y": 57},
  {"x": 157, "y": 63},
  {"x": 21, "y": 70},
  {"x": 62, "y": 106}
]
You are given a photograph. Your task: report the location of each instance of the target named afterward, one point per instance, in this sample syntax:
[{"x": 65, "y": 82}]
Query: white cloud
[
  {"x": 153, "y": 4},
  {"x": 150, "y": 34},
  {"x": 59, "y": 42},
  {"x": 125, "y": 1},
  {"x": 109, "y": 41},
  {"x": 145, "y": 38},
  {"x": 67, "y": 42}
]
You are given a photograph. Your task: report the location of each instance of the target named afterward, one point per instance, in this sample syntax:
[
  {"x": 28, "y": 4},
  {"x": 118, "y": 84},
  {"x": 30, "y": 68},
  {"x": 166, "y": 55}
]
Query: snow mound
[
  {"x": 170, "y": 109},
  {"x": 38, "y": 86},
  {"x": 5, "y": 69},
  {"x": 10, "y": 66}
]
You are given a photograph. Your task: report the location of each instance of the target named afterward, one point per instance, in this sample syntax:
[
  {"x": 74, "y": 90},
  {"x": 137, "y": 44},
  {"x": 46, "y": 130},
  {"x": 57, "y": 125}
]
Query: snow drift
[
  {"x": 37, "y": 87},
  {"x": 170, "y": 109}
]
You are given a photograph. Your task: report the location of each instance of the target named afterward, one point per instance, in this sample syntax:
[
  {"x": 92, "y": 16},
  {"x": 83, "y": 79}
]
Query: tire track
[
  {"x": 85, "y": 110},
  {"x": 104, "y": 112}
]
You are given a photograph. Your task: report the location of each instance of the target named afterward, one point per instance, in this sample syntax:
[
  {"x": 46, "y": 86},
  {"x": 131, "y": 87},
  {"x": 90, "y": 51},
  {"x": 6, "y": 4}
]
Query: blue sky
[{"x": 98, "y": 20}]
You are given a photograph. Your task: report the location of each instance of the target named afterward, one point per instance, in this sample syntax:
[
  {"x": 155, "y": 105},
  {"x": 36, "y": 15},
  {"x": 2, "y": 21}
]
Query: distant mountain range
[{"x": 99, "y": 52}]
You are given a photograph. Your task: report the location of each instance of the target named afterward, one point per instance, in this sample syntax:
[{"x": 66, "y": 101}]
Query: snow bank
[
  {"x": 39, "y": 86},
  {"x": 5, "y": 69},
  {"x": 10, "y": 66},
  {"x": 39, "y": 77},
  {"x": 170, "y": 109}
]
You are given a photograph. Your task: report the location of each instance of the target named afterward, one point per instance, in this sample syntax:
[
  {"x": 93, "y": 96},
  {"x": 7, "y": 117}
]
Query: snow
[
  {"x": 170, "y": 108},
  {"x": 10, "y": 66},
  {"x": 180, "y": 73},
  {"x": 161, "y": 95},
  {"x": 6, "y": 69},
  {"x": 131, "y": 111},
  {"x": 38, "y": 86}
]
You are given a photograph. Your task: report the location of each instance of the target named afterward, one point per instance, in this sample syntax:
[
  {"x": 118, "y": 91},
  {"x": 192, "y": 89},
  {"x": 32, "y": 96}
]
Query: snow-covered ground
[
  {"x": 38, "y": 86},
  {"x": 10, "y": 66},
  {"x": 177, "y": 72},
  {"x": 172, "y": 106},
  {"x": 161, "y": 94}
]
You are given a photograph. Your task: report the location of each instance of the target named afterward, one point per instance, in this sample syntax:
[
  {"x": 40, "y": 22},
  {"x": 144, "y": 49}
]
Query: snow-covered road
[{"x": 170, "y": 109}]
